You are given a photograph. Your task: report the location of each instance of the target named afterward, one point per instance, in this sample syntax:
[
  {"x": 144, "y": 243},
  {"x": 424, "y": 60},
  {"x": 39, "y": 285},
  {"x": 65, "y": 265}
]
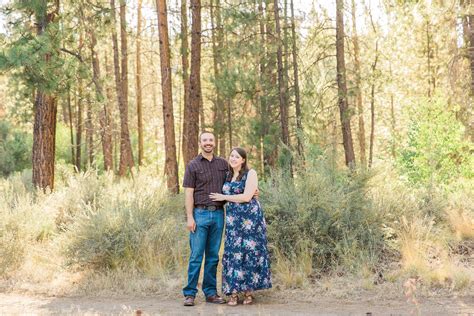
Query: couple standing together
[{"x": 209, "y": 183}]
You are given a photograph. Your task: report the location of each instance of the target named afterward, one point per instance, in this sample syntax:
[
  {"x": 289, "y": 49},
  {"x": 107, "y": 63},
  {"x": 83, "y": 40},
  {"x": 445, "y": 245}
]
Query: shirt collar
[{"x": 201, "y": 157}]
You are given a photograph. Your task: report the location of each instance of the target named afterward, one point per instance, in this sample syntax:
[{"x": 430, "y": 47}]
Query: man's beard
[{"x": 207, "y": 150}]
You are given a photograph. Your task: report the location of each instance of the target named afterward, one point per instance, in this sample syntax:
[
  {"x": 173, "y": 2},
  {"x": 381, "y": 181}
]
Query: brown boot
[
  {"x": 215, "y": 299},
  {"x": 189, "y": 301}
]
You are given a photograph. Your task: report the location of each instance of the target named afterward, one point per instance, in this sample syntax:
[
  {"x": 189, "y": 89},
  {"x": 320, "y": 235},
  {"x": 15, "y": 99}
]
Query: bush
[
  {"x": 133, "y": 224},
  {"x": 326, "y": 209},
  {"x": 435, "y": 151}
]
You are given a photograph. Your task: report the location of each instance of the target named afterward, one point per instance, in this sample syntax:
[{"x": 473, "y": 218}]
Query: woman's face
[{"x": 235, "y": 160}]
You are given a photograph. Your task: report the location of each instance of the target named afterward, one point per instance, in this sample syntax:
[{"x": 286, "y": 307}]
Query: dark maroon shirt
[{"x": 206, "y": 177}]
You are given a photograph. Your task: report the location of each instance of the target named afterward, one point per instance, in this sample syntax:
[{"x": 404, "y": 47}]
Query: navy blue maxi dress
[{"x": 246, "y": 262}]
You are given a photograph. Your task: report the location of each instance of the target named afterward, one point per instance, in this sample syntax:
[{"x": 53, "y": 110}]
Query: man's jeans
[{"x": 206, "y": 239}]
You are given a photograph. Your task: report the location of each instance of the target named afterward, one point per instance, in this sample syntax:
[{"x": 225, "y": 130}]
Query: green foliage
[
  {"x": 128, "y": 225},
  {"x": 325, "y": 208},
  {"x": 15, "y": 149},
  {"x": 436, "y": 151}
]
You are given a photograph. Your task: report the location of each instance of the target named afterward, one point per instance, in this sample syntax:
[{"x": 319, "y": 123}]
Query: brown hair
[{"x": 242, "y": 153}]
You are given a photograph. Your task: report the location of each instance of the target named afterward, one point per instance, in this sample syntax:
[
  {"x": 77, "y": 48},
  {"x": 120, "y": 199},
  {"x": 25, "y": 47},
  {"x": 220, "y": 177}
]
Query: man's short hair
[{"x": 206, "y": 132}]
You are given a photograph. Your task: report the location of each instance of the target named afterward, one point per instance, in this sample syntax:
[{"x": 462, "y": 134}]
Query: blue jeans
[{"x": 206, "y": 240}]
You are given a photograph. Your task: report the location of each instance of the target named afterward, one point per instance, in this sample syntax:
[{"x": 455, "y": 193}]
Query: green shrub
[
  {"x": 15, "y": 149},
  {"x": 325, "y": 208},
  {"x": 436, "y": 151},
  {"x": 133, "y": 224}
]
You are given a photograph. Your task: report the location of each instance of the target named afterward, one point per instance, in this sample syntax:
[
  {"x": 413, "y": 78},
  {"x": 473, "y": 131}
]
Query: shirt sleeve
[{"x": 189, "y": 178}]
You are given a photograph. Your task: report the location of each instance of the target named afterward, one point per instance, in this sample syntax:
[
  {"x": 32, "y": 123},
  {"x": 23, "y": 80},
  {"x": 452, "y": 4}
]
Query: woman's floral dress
[{"x": 246, "y": 263}]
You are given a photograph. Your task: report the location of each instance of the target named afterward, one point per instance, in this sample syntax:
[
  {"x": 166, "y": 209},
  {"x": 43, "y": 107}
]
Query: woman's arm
[{"x": 251, "y": 185}]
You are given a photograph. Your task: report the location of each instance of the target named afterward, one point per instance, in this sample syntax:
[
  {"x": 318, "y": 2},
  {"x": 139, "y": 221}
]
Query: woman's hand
[{"x": 217, "y": 197}]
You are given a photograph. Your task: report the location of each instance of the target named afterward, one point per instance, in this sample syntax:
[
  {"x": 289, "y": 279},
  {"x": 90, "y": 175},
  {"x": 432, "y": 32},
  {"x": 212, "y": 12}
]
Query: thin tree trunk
[
  {"x": 358, "y": 92},
  {"x": 79, "y": 124},
  {"x": 372, "y": 105},
  {"x": 428, "y": 55},
  {"x": 192, "y": 108},
  {"x": 342, "y": 88},
  {"x": 104, "y": 115},
  {"x": 121, "y": 82},
  {"x": 299, "y": 125},
  {"x": 71, "y": 127},
  {"x": 171, "y": 165},
  {"x": 282, "y": 90},
  {"x": 219, "y": 109},
  {"x": 185, "y": 78},
  {"x": 470, "y": 45},
  {"x": 89, "y": 132},
  {"x": 108, "y": 121},
  {"x": 139, "y": 84},
  {"x": 263, "y": 87}
]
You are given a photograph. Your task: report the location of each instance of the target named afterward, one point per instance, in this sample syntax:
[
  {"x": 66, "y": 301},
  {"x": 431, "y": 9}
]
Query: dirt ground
[{"x": 11, "y": 303}]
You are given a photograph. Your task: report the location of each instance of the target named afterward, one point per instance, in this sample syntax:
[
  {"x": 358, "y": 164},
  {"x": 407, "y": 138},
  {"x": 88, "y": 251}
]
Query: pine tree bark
[
  {"x": 191, "y": 110},
  {"x": 45, "y": 112},
  {"x": 185, "y": 77},
  {"x": 219, "y": 107},
  {"x": 89, "y": 132},
  {"x": 358, "y": 88},
  {"x": 282, "y": 89},
  {"x": 372, "y": 106},
  {"x": 139, "y": 84},
  {"x": 104, "y": 115},
  {"x": 79, "y": 124},
  {"x": 121, "y": 83},
  {"x": 71, "y": 127},
  {"x": 344, "y": 112},
  {"x": 299, "y": 125},
  {"x": 171, "y": 165}
]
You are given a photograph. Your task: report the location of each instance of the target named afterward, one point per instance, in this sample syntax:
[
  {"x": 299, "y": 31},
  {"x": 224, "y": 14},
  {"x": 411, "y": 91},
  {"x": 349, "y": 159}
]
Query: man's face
[{"x": 207, "y": 143}]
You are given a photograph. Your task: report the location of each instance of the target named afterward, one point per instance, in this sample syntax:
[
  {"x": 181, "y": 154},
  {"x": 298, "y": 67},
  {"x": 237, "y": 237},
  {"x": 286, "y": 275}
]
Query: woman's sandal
[
  {"x": 248, "y": 299},
  {"x": 233, "y": 300}
]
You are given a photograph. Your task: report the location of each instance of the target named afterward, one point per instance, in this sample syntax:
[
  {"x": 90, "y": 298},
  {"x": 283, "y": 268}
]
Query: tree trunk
[
  {"x": 171, "y": 165},
  {"x": 282, "y": 89},
  {"x": 107, "y": 118},
  {"x": 79, "y": 123},
  {"x": 121, "y": 82},
  {"x": 71, "y": 127},
  {"x": 358, "y": 88},
  {"x": 342, "y": 88},
  {"x": 185, "y": 78},
  {"x": 372, "y": 105},
  {"x": 44, "y": 140},
  {"x": 191, "y": 110},
  {"x": 217, "y": 45},
  {"x": 139, "y": 83},
  {"x": 104, "y": 115},
  {"x": 299, "y": 125},
  {"x": 89, "y": 132},
  {"x": 470, "y": 45}
]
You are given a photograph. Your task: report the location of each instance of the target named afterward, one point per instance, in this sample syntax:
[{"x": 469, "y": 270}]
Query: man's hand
[
  {"x": 191, "y": 225},
  {"x": 256, "y": 194}
]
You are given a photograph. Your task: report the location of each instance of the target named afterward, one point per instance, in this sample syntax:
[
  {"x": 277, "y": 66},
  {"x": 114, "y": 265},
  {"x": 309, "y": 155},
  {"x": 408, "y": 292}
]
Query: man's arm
[{"x": 189, "y": 205}]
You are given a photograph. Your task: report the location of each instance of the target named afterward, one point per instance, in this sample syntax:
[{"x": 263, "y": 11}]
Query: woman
[{"x": 246, "y": 264}]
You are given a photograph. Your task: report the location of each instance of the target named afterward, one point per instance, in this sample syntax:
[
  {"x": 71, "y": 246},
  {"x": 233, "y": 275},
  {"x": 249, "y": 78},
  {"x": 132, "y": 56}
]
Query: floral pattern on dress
[{"x": 246, "y": 262}]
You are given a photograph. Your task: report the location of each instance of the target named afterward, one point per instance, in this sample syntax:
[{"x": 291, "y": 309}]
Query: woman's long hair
[{"x": 242, "y": 153}]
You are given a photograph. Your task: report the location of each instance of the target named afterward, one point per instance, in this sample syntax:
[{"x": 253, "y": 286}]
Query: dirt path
[{"x": 22, "y": 304}]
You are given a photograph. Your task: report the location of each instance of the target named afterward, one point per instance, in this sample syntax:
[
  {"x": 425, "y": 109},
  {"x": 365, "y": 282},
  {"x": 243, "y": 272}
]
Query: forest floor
[{"x": 265, "y": 304}]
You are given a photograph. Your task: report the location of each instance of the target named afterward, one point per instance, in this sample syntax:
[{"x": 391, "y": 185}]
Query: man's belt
[{"x": 208, "y": 207}]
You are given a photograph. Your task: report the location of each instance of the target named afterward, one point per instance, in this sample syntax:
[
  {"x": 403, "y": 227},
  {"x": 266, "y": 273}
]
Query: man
[{"x": 204, "y": 175}]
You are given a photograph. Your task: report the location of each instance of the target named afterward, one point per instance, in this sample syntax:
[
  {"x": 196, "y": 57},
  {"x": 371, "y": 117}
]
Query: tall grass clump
[
  {"x": 26, "y": 218},
  {"x": 134, "y": 224},
  {"x": 325, "y": 211}
]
